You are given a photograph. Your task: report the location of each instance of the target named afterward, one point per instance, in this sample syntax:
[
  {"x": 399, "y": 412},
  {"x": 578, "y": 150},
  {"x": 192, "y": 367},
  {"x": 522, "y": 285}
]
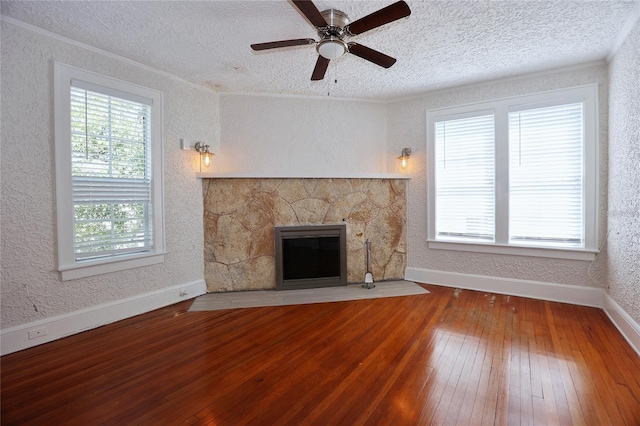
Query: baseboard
[
  {"x": 16, "y": 338},
  {"x": 576, "y": 295},
  {"x": 627, "y": 326}
]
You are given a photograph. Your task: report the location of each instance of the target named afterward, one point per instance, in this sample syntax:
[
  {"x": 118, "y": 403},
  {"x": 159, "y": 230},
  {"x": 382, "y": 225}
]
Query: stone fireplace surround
[{"x": 240, "y": 215}]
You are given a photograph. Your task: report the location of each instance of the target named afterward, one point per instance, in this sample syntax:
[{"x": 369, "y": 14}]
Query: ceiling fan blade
[
  {"x": 383, "y": 16},
  {"x": 371, "y": 55},
  {"x": 312, "y": 13},
  {"x": 282, "y": 43},
  {"x": 320, "y": 69}
]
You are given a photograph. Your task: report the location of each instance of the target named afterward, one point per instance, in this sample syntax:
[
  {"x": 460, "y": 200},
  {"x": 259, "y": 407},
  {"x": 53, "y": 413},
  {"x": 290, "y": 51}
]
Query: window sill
[
  {"x": 82, "y": 270},
  {"x": 572, "y": 254}
]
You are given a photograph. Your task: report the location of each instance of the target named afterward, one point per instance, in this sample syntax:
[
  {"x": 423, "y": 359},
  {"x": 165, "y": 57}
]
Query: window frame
[
  {"x": 68, "y": 266},
  {"x": 587, "y": 94}
]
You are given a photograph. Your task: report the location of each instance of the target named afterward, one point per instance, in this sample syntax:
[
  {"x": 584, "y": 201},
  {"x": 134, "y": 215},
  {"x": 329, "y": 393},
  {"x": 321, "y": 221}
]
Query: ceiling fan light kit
[
  {"x": 331, "y": 48},
  {"x": 333, "y": 26}
]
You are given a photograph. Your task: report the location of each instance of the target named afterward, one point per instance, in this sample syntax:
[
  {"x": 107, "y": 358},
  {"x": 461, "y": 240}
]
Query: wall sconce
[
  {"x": 205, "y": 154},
  {"x": 404, "y": 156}
]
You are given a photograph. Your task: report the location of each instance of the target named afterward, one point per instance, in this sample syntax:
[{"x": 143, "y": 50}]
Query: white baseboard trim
[
  {"x": 627, "y": 326},
  {"x": 564, "y": 293},
  {"x": 16, "y": 338},
  {"x": 576, "y": 295}
]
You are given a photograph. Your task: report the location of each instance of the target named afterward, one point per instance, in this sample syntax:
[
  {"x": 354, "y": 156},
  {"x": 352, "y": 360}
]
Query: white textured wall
[
  {"x": 301, "y": 135},
  {"x": 251, "y": 133},
  {"x": 623, "y": 242},
  {"x": 407, "y": 127},
  {"x": 31, "y": 288}
]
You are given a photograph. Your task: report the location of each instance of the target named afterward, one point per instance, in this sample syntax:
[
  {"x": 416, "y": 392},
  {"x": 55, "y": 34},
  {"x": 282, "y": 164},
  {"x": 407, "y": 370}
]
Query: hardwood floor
[{"x": 448, "y": 357}]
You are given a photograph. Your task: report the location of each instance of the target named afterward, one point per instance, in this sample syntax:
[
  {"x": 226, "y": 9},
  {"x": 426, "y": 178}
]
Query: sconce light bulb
[
  {"x": 404, "y": 156},
  {"x": 206, "y": 160}
]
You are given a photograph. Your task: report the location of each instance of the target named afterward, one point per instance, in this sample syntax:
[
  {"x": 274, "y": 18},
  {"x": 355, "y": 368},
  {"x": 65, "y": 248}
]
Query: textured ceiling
[{"x": 442, "y": 43}]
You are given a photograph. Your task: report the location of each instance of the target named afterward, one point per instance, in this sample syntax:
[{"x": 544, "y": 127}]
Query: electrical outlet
[{"x": 34, "y": 333}]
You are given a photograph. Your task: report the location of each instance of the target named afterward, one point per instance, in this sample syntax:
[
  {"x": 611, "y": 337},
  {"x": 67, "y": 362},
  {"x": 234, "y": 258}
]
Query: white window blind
[
  {"x": 542, "y": 198},
  {"x": 111, "y": 175},
  {"x": 465, "y": 178},
  {"x": 546, "y": 176}
]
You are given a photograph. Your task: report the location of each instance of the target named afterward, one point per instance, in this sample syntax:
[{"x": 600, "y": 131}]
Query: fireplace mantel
[{"x": 272, "y": 175}]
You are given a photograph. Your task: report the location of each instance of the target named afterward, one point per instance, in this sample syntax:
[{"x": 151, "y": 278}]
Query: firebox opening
[{"x": 310, "y": 256}]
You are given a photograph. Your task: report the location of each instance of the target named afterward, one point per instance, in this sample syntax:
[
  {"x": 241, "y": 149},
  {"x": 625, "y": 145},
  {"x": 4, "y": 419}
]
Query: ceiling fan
[{"x": 333, "y": 26}]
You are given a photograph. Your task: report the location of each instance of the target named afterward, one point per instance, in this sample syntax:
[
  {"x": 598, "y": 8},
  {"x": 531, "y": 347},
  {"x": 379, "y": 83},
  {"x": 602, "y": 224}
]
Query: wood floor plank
[
  {"x": 548, "y": 412},
  {"x": 461, "y": 411},
  {"x": 449, "y": 357},
  {"x": 448, "y": 345},
  {"x": 565, "y": 359},
  {"x": 482, "y": 396},
  {"x": 453, "y": 396},
  {"x": 494, "y": 410}
]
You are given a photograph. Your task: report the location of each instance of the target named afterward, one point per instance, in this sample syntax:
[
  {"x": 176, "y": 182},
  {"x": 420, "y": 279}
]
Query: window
[
  {"x": 545, "y": 176},
  {"x": 516, "y": 176},
  {"x": 108, "y": 173},
  {"x": 465, "y": 177}
]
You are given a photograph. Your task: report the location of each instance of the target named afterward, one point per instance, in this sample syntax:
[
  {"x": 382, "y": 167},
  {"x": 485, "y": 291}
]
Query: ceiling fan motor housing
[
  {"x": 331, "y": 45},
  {"x": 335, "y": 18}
]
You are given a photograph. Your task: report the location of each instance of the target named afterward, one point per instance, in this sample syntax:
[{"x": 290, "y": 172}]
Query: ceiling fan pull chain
[
  {"x": 329, "y": 81},
  {"x": 335, "y": 80}
]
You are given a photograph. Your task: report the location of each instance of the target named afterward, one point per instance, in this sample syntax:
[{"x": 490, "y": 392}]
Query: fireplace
[
  {"x": 310, "y": 256},
  {"x": 240, "y": 215}
]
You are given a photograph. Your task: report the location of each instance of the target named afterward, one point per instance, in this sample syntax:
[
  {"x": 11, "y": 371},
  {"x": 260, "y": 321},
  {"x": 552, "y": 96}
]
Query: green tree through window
[{"x": 110, "y": 173}]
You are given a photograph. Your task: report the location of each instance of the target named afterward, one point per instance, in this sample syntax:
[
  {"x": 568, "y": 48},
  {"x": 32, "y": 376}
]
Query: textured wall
[
  {"x": 31, "y": 286},
  {"x": 296, "y": 135},
  {"x": 273, "y": 134},
  {"x": 623, "y": 242},
  {"x": 240, "y": 214},
  {"x": 407, "y": 127}
]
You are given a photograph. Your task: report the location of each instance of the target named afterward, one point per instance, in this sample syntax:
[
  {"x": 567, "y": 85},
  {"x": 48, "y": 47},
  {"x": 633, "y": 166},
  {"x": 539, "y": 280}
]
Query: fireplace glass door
[{"x": 310, "y": 256}]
